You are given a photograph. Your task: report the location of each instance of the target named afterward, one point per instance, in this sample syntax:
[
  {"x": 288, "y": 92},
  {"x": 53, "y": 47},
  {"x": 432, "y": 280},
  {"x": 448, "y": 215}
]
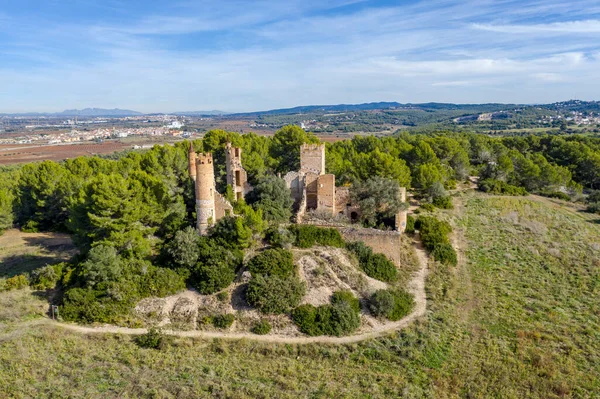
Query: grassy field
[
  {"x": 24, "y": 252},
  {"x": 518, "y": 318}
]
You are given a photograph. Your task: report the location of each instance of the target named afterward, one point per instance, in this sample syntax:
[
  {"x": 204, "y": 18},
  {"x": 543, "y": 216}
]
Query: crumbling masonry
[
  {"x": 311, "y": 188},
  {"x": 210, "y": 205}
]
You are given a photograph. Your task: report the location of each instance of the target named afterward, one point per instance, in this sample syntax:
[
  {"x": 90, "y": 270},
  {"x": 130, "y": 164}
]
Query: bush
[
  {"x": 272, "y": 262},
  {"x": 159, "y": 281},
  {"x": 403, "y": 304},
  {"x": 262, "y": 327},
  {"x": 433, "y": 231},
  {"x": 499, "y": 187},
  {"x": 593, "y": 207},
  {"x": 443, "y": 202},
  {"x": 444, "y": 253},
  {"x": 556, "y": 194},
  {"x": 338, "y": 319},
  {"x": 410, "y": 225},
  {"x": 15, "y": 282},
  {"x": 374, "y": 265},
  {"x": 391, "y": 304},
  {"x": 209, "y": 278},
  {"x": 426, "y": 206},
  {"x": 223, "y": 320},
  {"x": 343, "y": 319},
  {"x": 307, "y": 236},
  {"x": 304, "y": 316},
  {"x": 46, "y": 277},
  {"x": 223, "y": 296},
  {"x": 280, "y": 237},
  {"x": 274, "y": 294},
  {"x": 381, "y": 303},
  {"x": 152, "y": 339},
  {"x": 348, "y": 297}
]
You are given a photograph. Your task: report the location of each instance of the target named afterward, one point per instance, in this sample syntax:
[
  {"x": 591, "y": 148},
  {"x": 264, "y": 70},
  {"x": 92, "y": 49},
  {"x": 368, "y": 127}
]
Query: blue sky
[{"x": 190, "y": 55}]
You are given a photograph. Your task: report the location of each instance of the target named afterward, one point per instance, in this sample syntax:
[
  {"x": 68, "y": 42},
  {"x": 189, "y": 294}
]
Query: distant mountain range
[{"x": 99, "y": 112}]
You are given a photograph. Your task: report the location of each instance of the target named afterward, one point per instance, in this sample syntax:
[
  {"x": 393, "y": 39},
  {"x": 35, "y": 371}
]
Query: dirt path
[{"x": 416, "y": 286}]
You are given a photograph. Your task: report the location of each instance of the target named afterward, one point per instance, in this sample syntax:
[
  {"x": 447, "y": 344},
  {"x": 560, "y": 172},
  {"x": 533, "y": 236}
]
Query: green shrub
[
  {"x": 444, "y": 253},
  {"x": 410, "y": 225},
  {"x": 262, "y": 327},
  {"x": 338, "y": 319},
  {"x": 374, "y": 265},
  {"x": 223, "y": 296},
  {"x": 403, "y": 304},
  {"x": 280, "y": 237},
  {"x": 153, "y": 339},
  {"x": 433, "y": 231},
  {"x": 46, "y": 277},
  {"x": 307, "y": 236},
  {"x": 342, "y": 320},
  {"x": 556, "y": 194},
  {"x": 274, "y": 294},
  {"x": 15, "y": 282},
  {"x": 443, "y": 202},
  {"x": 593, "y": 207},
  {"x": 223, "y": 320},
  {"x": 499, "y": 187},
  {"x": 272, "y": 262},
  {"x": 426, "y": 206},
  {"x": 450, "y": 184},
  {"x": 304, "y": 316},
  {"x": 159, "y": 281},
  {"x": 211, "y": 277},
  {"x": 381, "y": 303},
  {"x": 346, "y": 296},
  {"x": 392, "y": 304}
]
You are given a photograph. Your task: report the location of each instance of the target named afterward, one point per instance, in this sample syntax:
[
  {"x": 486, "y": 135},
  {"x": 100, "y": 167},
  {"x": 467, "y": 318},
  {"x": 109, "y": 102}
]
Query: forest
[{"x": 132, "y": 215}]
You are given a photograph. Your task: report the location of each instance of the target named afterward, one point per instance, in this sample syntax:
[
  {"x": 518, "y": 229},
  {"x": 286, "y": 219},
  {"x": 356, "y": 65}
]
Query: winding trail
[{"x": 416, "y": 286}]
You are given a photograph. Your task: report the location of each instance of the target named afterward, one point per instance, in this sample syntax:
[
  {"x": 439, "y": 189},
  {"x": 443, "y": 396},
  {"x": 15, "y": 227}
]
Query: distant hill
[
  {"x": 98, "y": 112},
  {"x": 324, "y": 108},
  {"x": 200, "y": 113}
]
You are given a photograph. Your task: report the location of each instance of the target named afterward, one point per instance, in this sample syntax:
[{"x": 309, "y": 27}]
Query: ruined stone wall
[
  {"x": 383, "y": 242},
  {"x": 326, "y": 193},
  {"x": 295, "y": 183},
  {"x": 343, "y": 204},
  {"x": 237, "y": 177},
  {"x": 222, "y": 207},
  {"x": 311, "y": 187},
  {"x": 192, "y": 162},
  {"x": 402, "y": 216}
]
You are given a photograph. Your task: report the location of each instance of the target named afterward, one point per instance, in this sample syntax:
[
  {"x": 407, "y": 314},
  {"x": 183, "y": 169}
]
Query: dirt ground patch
[{"x": 24, "y": 252}]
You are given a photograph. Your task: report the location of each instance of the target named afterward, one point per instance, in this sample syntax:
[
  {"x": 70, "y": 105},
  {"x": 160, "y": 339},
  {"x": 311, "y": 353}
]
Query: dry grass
[
  {"x": 24, "y": 252},
  {"x": 518, "y": 318}
]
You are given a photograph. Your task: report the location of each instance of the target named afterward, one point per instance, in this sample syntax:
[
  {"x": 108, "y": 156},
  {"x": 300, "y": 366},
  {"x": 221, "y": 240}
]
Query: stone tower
[
  {"x": 192, "y": 162},
  {"x": 236, "y": 175},
  {"x": 205, "y": 192},
  {"x": 312, "y": 159}
]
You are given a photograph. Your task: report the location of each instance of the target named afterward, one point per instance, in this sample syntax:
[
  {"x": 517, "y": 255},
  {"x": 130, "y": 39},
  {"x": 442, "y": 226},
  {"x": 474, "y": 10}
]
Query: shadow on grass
[
  {"x": 59, "y": 243},
  {"x": 238, "y": 298},
  {"x": 26, "y": 263}
]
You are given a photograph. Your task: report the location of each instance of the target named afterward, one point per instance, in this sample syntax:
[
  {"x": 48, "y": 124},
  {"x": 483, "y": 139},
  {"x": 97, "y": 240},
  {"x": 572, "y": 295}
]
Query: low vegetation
[
  {"x": 434, "y": 235},
  {"x": 375, "y": 265},
  {"x": 308, "y": 236},
  {"x": 392, "y": 304},
  {"x": 339, "y": 318}
]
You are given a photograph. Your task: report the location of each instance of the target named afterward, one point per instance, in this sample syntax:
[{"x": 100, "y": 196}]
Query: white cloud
[{"x": 588, "y": 26}]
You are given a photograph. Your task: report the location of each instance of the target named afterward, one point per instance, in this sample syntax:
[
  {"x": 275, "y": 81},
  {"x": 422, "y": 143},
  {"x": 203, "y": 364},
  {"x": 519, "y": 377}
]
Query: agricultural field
[{"x": 516, "y": 318}]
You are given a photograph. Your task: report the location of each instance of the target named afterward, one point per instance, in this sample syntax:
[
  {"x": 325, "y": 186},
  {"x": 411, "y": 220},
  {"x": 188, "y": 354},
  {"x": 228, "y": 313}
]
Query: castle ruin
[
  {"x": 311, "y": 188},
  {"x": 210, "y": 205}
]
